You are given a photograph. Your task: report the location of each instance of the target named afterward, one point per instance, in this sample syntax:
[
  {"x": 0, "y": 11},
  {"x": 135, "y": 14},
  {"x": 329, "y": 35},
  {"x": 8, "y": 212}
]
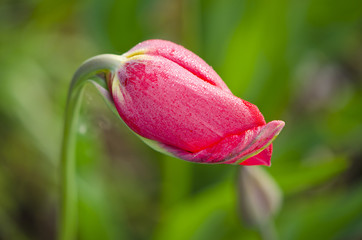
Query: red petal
[
  {"x": 253, "y": 144},
  {"x": 183, "y": 57},
  {"x": 160, "y": 100},
  {"x": 262, "y": 158}
]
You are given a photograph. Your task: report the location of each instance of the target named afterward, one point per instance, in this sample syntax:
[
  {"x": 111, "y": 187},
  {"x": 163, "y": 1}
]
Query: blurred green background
[{"x": 299, "y": 61}]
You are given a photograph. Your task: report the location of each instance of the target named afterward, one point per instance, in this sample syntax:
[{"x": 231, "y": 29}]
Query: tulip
[
  {"x": 174, "y": 102},
  {"x": 180, "y": 106}
]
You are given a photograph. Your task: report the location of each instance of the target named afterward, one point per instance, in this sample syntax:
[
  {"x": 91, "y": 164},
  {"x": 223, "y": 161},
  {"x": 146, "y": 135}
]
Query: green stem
[
  {"x": 268, "y": 231},
  {"x": 106, "y": 64}
]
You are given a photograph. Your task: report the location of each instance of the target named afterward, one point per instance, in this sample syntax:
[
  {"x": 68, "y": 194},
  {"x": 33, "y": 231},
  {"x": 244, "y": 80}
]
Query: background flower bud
[
  {"x": 168, "y": 95},
  {"x": 259, "y": 196}
]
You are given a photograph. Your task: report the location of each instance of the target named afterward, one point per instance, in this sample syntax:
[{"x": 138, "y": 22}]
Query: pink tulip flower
[{"x": 179, "y": 105}]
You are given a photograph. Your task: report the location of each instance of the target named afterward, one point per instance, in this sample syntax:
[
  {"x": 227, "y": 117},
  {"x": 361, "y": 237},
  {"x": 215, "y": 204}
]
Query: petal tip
[{"x": 278, "y": 125}]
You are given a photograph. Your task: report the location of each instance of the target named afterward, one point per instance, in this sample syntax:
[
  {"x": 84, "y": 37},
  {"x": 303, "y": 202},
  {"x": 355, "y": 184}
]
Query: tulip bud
[
  {"x": 179, "y": 105},
  {"x": 259, "y": 196}
]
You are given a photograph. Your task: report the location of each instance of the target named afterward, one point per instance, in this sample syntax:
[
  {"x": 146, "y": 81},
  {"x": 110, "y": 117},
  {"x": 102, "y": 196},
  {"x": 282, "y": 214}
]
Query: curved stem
[
  {"x": 268, "y": 231},
  {"x": 107, "y": 64}
]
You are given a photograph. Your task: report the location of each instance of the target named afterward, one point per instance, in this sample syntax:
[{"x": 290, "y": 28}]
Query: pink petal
[
  {"x": 162, "y": 101},
  {"x": 182, "y": 57},
  {"x": 235, "y": 149},
  {"x": 262, "y": 158}
]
